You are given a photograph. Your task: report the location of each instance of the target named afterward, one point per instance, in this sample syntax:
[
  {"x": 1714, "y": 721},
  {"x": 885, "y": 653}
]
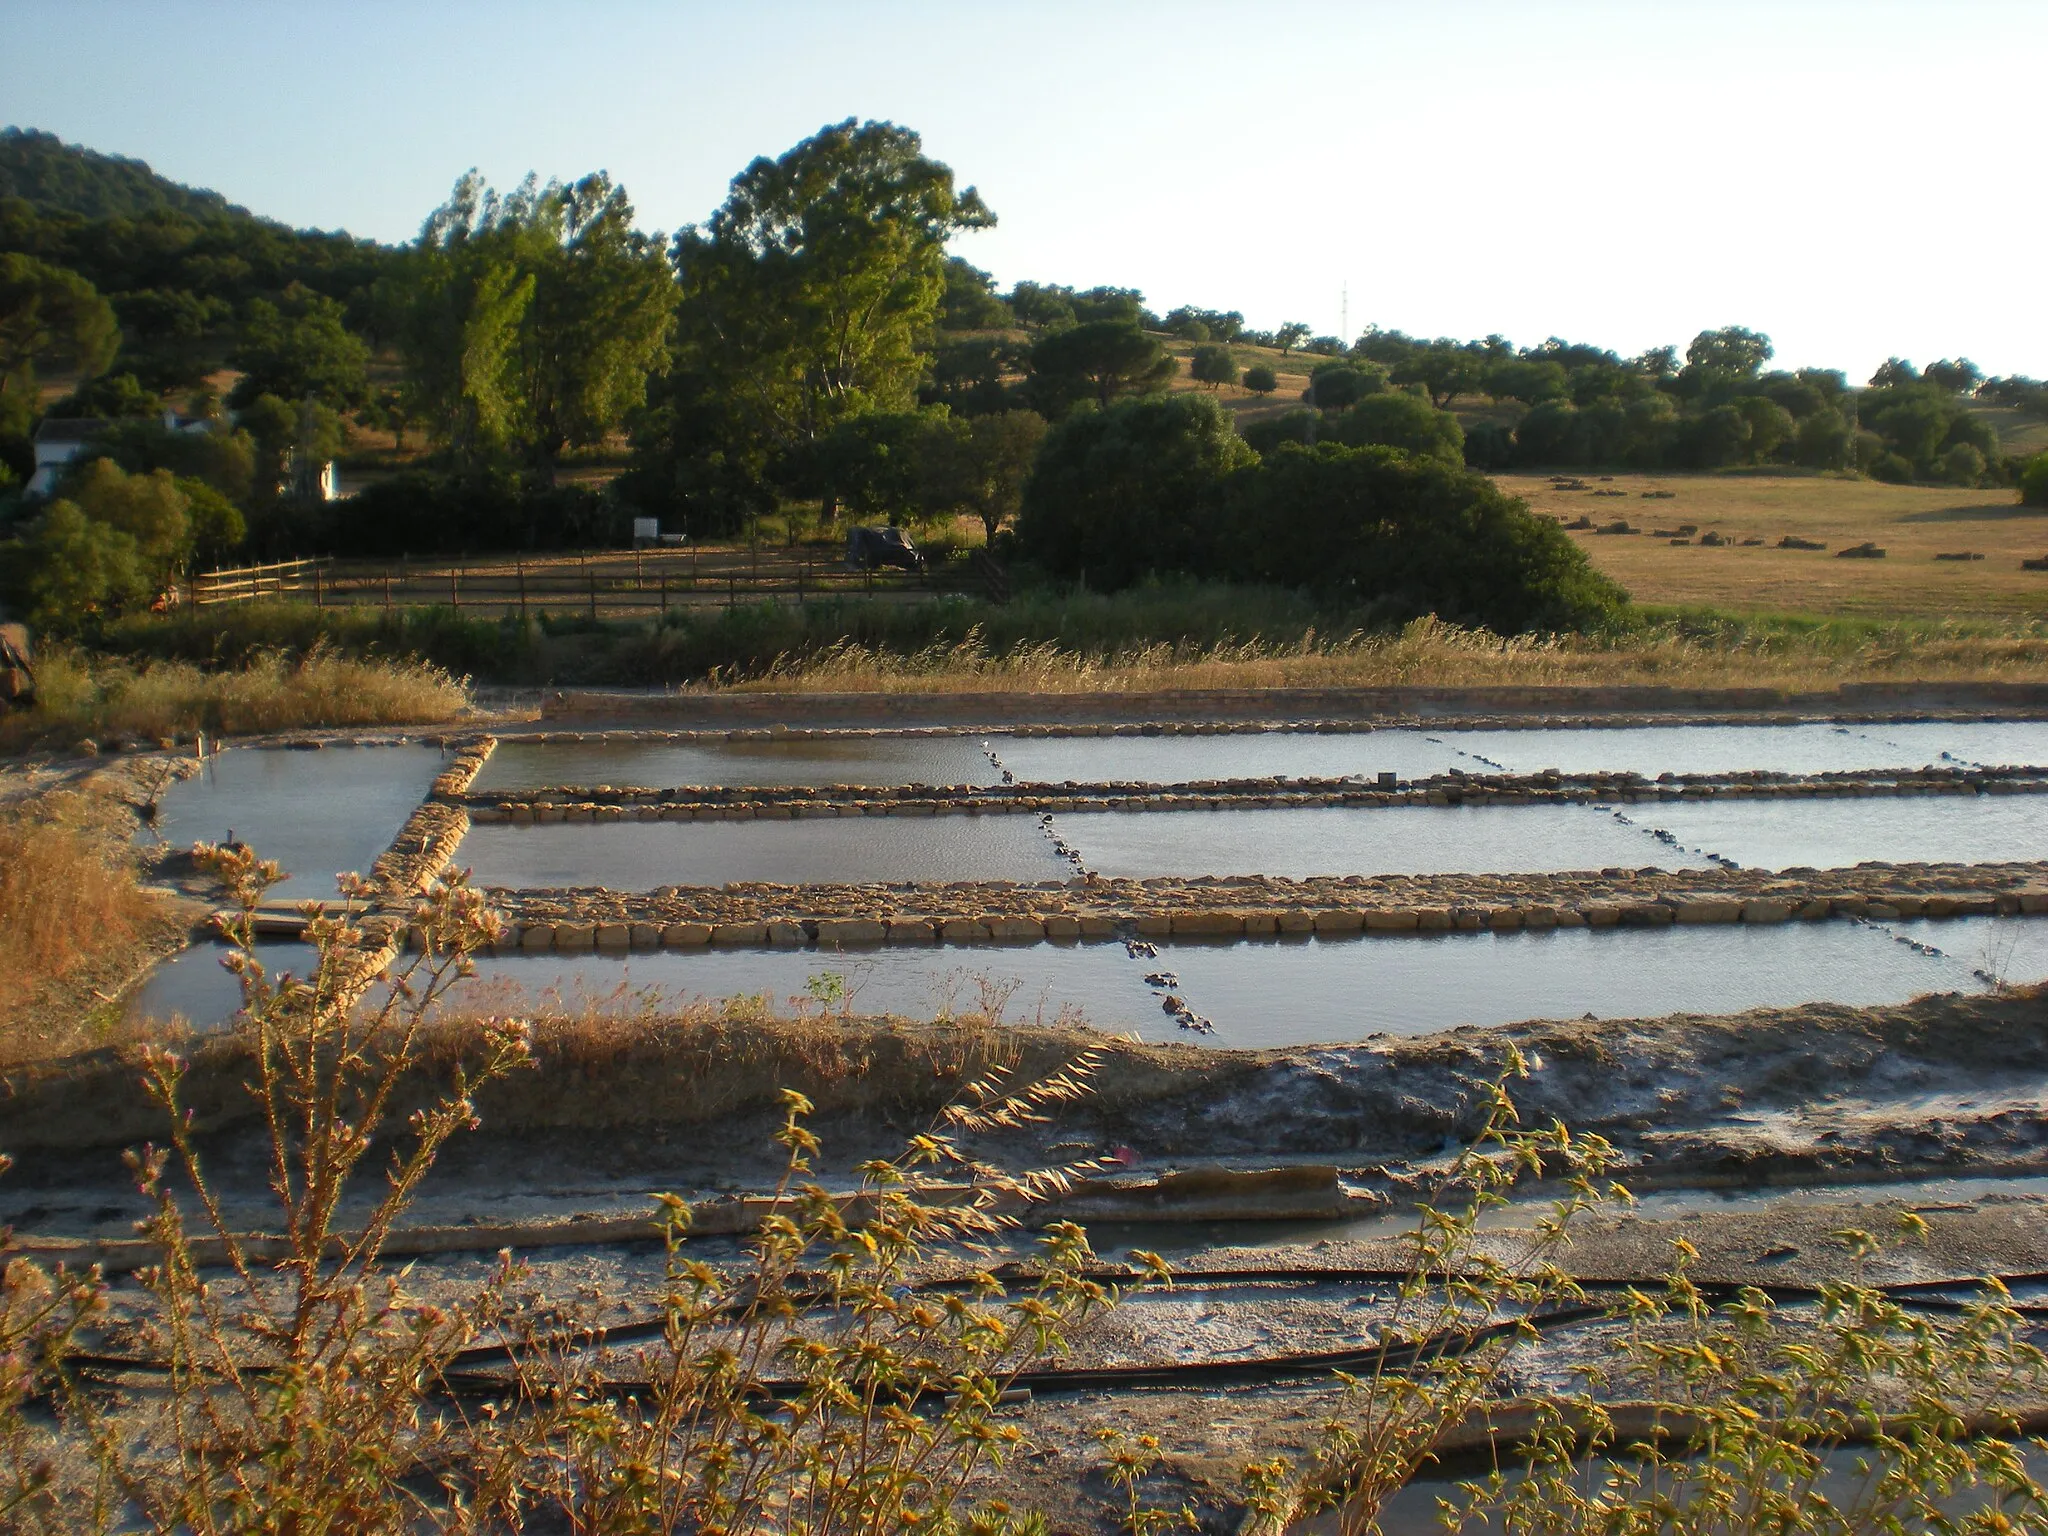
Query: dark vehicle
[
  {"x": 868, "y": 548},
  {"x": 17, "y": 676}
]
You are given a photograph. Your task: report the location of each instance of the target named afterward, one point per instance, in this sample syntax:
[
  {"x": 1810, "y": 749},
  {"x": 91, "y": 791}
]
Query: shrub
[
  {"x": 1333, "y": 386},
  {"x": 1489, "y": 445},
  {"x": 1413, "y": 535},
  {"x": 1397, "y": 419},
  {"x": 1260, "y": 379},
  {"x": 1891, "y": 468},
  {"x": 1213, "y": 365},
  {"x": 2034, "y": 481},
  {"x": 69, "y": 572},
  {"x": 1123, "y": 492},
  {"x": 1962, "y": 465},
  {"x": 421, "y": 512}
]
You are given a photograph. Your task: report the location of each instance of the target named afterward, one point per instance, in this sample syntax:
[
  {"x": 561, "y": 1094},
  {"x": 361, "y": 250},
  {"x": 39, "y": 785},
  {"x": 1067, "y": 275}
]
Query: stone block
[
  {"x": 1208, "y": 924},
  {"x": 1155, "y": 925},
  {"x": 961, "y": 930},
  {"x": 1098, "y": 927},
  {"x": 1647, "y": 914},
  {"x": 1708, "y": 909},
  {"x": 912, "y": 930},
  {"x": 1261, "y": 922},
  {"x": 613, "y": 936},
  {"x": 1567, "y": 917},
  {"x": 646, "y": 936},
  {"x": 1813, "y": 911},
  {"x": 1061, "y": 926},
  {"x": 1295, "y": 920},
  {"x": 1433, "y": 919},
  {"x": 685, "y": 935},
  {"x": 787, "y": 935},
  {"x": 739, "y": 933},
  {"x": 1391, "y": 920},
  {"x": 1340, "y": 920},
  {"x": 2033, "y": 901},
  {"x": 535, "y": 937},
  {"x": 1014, "y": 928},
  {"x": 1539, "y": 917},
  {"x": 1761, "y": 911},
  {"x": 1503, "y": 918},
  {"x": 575, "y": 938},
  {"x": 851, "y": 930}
]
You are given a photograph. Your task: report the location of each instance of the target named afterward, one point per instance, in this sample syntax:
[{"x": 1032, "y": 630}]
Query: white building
[{"x": 58, "y": 442}]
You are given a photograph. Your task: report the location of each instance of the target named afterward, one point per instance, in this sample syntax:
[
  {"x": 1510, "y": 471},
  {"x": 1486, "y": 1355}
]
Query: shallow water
[
  {"x": 1828, "y": 834},
  {"x": 806, "y": 760},
  {"x": 1031, "y": 983},
  {"x": 1183, "y": 759},
  {"x": 1648, "y": 750},
  {"x": 1393, "y": 840},
  {"x": 639, "y": 856},
  {"x": 316, "y": 813},
  {"x": 1257, "y": 992}
]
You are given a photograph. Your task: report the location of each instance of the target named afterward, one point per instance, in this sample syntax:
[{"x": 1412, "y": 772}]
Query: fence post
[
  {"x": 732, "y": 587},
  {"x": 319, "y": 597},
  {"x": 593, "y": 589},
  {"x": 664, "y": 594},
  {"x": 454, "y": 589},
  {"x": 387, "y": 591},
  {"x": 521, "y": 567},
  {"x": 802, "y": 566}
]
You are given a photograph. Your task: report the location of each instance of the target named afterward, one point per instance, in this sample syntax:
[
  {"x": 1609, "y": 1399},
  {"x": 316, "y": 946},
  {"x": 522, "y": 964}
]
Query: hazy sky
[{"x": 1855, "y": 179}]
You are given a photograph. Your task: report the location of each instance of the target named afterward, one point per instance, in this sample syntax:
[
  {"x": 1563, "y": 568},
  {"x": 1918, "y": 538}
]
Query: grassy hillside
[{"x": 43, "y": 169}]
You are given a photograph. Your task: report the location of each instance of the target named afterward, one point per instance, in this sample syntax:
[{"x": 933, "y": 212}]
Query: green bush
[
  {"x": 1962, "y": 465},
  {"x": 1397, "y": 419},
  {"x": 1260, "y": 379},
  {"x": 1411, "y": 535},
  {"x": 1891, "y": 468},
  {"x": 2034, "y": 481},
  {"x": 69, "y": 571},
  {"x": 1123, "y": 492}
]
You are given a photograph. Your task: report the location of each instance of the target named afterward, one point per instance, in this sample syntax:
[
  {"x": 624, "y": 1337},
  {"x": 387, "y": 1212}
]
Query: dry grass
[
  {"x": 1432, "y": 654},
  {"x": 1912, "y": 523},
  {"x": 67, "y": 900},
  {"x": 81, "y": 695}
]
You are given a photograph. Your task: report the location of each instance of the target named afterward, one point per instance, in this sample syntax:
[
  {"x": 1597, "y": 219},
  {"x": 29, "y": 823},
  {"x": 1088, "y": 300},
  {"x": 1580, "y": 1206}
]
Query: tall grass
[
  {"x": 1172, "y": 635},
  {"x": 65, "y": 899},
  {"x": 79, "y": 694}
]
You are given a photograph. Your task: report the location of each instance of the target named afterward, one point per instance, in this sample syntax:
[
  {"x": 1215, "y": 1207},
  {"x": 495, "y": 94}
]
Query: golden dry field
[{"x": 1912, "y": 524}]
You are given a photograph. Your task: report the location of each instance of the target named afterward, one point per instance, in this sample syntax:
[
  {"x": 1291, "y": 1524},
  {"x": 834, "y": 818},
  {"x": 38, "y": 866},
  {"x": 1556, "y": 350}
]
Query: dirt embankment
[{"x": 1813, "y": 1093}]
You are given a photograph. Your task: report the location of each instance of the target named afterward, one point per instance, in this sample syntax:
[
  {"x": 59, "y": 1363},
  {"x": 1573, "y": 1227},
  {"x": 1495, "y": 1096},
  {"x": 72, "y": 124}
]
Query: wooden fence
[{"x": 608, "y": 585}]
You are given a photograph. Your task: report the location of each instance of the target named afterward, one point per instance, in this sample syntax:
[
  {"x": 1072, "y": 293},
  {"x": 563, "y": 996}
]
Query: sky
[{"x": 1858, "y": 180}]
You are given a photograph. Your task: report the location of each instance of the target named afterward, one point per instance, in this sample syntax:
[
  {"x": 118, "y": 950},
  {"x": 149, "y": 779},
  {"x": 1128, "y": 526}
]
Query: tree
[
  {"x": 1213, "y": 366},
  {"x": 1959, "y": 376},
  {"x": 214, "y": 525},
  {"x": 970, "y": 302},
  {"x": 150, "y": 509},
  {"x": 300, "y": 348},
  {"x": 51, "y": 316},
  {"x": 969, "y": 375},
  {"x": 807, "y": 293},
  {"x": 1397, "y": 419},
  {"x": 1333, "y": 386},
  {"x": 68, "y": 569},
  {"x": 1445, "y": 369},
  {"x": 1770, "y": 424},
  {"x": 1733, "y": 351},
  {"x": 1103, "y": 359},
  {"x": 1120, "y": 492},
  {"x": 603, "y": 306},
  {"x": 1532, "y": 383},
  {"x": 1260, "y": 379},
  {"x": 1892, "y": 373},
  {"x": 1290, "y": 336},
  {"x": 1824, "y": 440},
  {"x": 1043, "y": 306},
  {"x": 533, "y": 320},
  {"x": 981, "y": 465},
  {"x": 871, "y": 465}
]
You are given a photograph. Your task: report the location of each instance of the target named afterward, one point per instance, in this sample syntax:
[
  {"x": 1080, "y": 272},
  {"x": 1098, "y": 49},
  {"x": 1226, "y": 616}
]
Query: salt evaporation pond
[
  {"x": 1243, "y": 755},
  {"x": 639, "y": 856},
  {"x": 315, "y": 813},
  {"x": 802, "y": 760},
  {"x": 1832, "y": 834},
  {"x": 1033, "y": 983},
  {"x": 1268, "y": 992},
  {"x": 1392, "y": 840}
]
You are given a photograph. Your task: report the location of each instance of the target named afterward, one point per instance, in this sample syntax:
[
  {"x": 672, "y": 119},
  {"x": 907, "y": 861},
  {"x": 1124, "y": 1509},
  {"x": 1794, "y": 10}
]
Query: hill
[{"x": 53, "y": 175}]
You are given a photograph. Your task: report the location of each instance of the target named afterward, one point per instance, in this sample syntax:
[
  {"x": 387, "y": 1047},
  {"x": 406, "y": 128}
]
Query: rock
[
  {"x": 685, "y": 935},
  {"x": 851, "y": 930}
]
